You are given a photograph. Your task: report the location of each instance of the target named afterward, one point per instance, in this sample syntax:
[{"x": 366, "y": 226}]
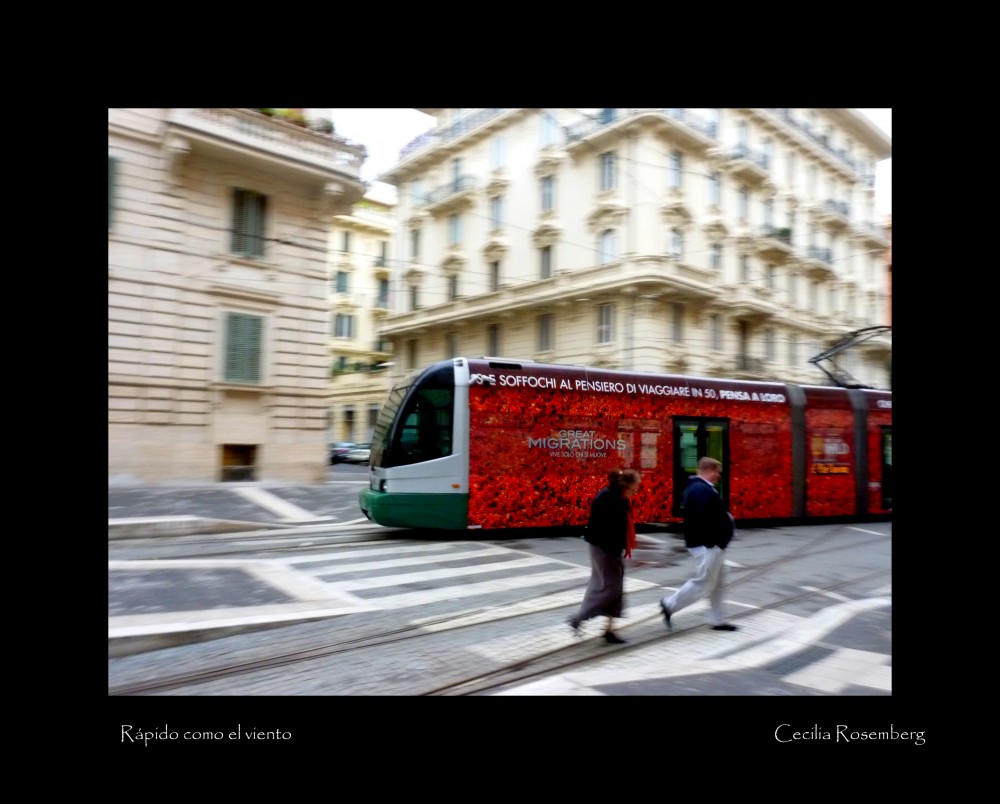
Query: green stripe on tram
[{"x": 446, "y": 511}]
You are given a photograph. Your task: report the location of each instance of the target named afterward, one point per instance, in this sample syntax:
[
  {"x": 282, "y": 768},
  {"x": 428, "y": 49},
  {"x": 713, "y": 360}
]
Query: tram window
[{"x": 425, "y": 430}]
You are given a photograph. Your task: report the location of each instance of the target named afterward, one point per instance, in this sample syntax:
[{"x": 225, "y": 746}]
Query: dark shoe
[
  {"x": 724, "y": 627},
  {"x": 613, "y": 638},
  {"x": 666, "y": 615},
  {"x": 574, "y": 623}
]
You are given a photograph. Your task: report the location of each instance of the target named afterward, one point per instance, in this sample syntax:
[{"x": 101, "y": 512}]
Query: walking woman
[{"x": 610, "y": 533}]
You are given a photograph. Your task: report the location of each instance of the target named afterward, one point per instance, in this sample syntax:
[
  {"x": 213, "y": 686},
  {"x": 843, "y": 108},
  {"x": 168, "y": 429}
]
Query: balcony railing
[
  {"x": 820, "y": 139},
  {"x": 587, "y": 127},
  {"x": 248, "y": 128},
  {"x": 747, "y": 363}
]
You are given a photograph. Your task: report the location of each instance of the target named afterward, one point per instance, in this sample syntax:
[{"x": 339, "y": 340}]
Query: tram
[{"x": 493, "y": 443}]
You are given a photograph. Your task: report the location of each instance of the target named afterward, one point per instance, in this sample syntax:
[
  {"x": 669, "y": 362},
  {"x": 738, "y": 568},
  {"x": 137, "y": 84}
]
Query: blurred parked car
[
  {"x": 339, "y": 450},
  {"x": 359, "y": 454}
]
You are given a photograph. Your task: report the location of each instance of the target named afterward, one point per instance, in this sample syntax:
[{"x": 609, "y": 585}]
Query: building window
[
  {"x": 383, "y": 294},
  {"x": 451, "y": 344},
  {"x": 453, "y": 287},
  {"x": 545, "y": 262},
  {"x": 343, "y": 325},
  {"x": 608, "y": 179},
  {"x": 498, "y": 152},
  {"x": 249, "y": 223},
  {"x": 605, "y": 323},
  {"x": 678, "y": 322},
  {"x": 417, "y": 191},
  {"x": 715, "y": 330},
  {"x": 346, "y": 242},
  {"x": 493, "y": 339},
  {"x": 814, "y": 296},
  {"x": 769, "y": 213},
  {"x": 244, "y": 347},
  {"x": 545, "y": 332},
  {"x": 743, "y": 202},
  {"x": 769, "y": 344},
  {"x": 414, "y": 244},
  {"x": 715, "y": 256},
  {"x": 496, "y": 212},
  {"x": 341, "y": 282},
  {"x": 550, "y": 129},
  {"x": 608, "y": 248},
  {"x": 112, "y": 177},
  {"x": 677, "y": 244},
  {"x": 769, "y": 276},
  {"x": 742, "y": 133},
  {"x": 608, "y": 115},
  {"x": 456, "y": 174},
  {"x": 548, "y": 193},
  {"x": 383, "y": 254},
  {"x": 411, "y": 354},
  {"x": 768, "y": 148},
  {"x": 676, "y": 175},
  {"x": 790, "y": 169},
  {"x": 793, "y": 352},
  {"x": 454, "y": 229},
  {"x": 715, "y": 189},
  {"x": 744, "y": 268},
  {"x": 495, "y": 275},
  {"x": 793, "y": 296},
  {"x": 414, "y": 298}
]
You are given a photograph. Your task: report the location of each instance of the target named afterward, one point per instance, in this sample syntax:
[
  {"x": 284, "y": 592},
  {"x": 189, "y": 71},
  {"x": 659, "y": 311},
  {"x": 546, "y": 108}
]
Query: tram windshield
[{"x": 416, "y": 422}]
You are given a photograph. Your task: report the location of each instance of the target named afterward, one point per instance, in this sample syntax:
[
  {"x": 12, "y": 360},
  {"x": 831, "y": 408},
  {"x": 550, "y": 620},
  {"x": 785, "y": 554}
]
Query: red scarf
[{"x": 629, "y": 535}]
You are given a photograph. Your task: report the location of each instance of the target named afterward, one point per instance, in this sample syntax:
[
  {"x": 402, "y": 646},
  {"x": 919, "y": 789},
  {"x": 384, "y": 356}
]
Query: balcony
[
  {"x": 743, "y": 163},
  {"x": 649, "y": 275},
  {"x": 457, "y": 194},
  {"x": 677, "y": 125},
  {"x": 269, "y": 146},
  {"x": 745, "y": 302},
  {"x": 834, "y": 214},
  {"x": 747, "y": 367},
  {"x": 818, "y": 263},
  {"x": 871, "y": 233},
  {"x": 774, "y": 243}
]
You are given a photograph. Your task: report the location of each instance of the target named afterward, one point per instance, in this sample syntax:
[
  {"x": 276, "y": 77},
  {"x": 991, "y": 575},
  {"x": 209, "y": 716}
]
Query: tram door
[
  {"x": 886, "y": 468},
  {"x": 695, "y": 438}
]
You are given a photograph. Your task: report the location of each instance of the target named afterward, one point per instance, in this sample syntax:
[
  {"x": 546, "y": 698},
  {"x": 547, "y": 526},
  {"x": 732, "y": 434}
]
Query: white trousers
[{"x": 708, "y": 581}]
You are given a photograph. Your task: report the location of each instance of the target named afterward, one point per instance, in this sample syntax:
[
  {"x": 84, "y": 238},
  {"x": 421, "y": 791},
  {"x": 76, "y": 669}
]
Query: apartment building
[
  {"x": 218, "y": 310},
  {"x": 715, "y": 242},
  {"x": 360, "y": 263}
]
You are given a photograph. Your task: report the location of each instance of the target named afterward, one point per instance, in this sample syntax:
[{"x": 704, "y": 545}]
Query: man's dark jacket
[{"x": 706, "y": 520}]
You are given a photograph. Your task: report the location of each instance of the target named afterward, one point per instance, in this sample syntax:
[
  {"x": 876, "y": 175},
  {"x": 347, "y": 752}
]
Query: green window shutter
[
  {"x": 243, "y": 347},
  {"x": 249, "y": 223},
  {"x": 112, "y": 177}
]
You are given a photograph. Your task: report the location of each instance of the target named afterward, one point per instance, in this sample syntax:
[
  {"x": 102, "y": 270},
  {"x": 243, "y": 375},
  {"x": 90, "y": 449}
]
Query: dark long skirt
[{"x": 606, "y": 590}]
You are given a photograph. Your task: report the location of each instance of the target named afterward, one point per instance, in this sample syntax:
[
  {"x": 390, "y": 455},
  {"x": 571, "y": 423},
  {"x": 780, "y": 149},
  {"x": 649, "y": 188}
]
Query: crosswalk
[
  {"x": 459, "y": 576},
  {"x": 399, "y": 575}
]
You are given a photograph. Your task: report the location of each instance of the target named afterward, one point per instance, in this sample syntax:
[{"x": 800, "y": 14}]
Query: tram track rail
[{"x": 546, "y": 662}]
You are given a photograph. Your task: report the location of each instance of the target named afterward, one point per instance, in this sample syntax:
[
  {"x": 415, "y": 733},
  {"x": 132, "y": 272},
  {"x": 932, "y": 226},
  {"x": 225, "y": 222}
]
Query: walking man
[{"x": 708, "y": 527}]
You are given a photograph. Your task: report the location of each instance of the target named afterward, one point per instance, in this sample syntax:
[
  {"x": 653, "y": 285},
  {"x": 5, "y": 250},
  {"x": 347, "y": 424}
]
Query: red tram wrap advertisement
[{"x": 543, "y": 437}]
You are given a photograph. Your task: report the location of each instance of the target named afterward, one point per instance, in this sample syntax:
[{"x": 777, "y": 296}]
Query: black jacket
[
  {"x": 707, "y": 522},
  {"x": 607, "y": 527}
]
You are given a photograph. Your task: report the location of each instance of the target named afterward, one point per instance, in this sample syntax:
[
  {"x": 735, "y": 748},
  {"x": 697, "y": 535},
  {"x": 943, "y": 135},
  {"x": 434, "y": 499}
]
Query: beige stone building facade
[
  {"x": 360, "y": 263},
  {"x": 718, "y": 242},
  {"x": 218, "y": 304}
]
